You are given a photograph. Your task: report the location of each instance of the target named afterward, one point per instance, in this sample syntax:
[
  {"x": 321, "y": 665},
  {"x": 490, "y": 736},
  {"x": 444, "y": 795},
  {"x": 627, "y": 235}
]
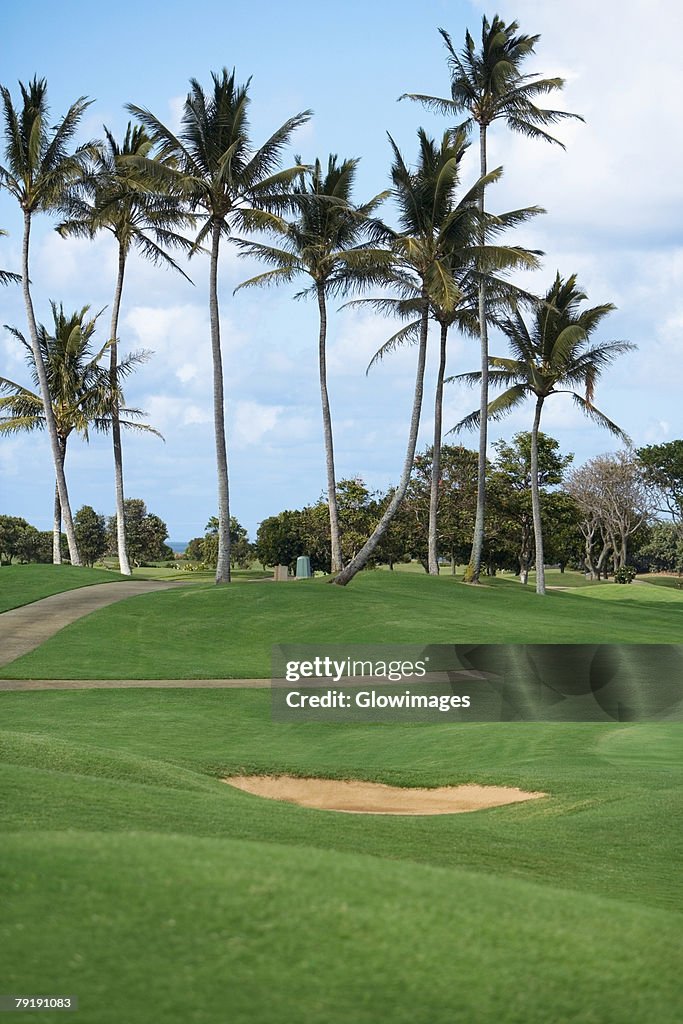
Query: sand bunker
[{"x": 374, "y": 798}]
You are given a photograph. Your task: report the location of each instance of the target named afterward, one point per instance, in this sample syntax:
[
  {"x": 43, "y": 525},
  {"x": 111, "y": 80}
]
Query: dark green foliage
[
  {"x": 145, "y": 533},
  {"x": 91, "y": 534}
]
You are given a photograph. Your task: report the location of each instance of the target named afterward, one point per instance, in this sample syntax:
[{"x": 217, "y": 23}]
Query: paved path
[
  {"x": 23, "y": 629},
  {"x": 115, "y": 684}
]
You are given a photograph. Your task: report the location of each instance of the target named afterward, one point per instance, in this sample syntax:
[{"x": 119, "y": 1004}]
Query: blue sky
[{"x": 614, "y": 202}]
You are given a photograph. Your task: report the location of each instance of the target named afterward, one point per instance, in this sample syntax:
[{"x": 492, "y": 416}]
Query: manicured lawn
[
  {"x": 22, "y": 584},
  {"x": 676, "y": 582},
  {"x": 137, "y": 880},
  {"x": 227, "y": 632}
]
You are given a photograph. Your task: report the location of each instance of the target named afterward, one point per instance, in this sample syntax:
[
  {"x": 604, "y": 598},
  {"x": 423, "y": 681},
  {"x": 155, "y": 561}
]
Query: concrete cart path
[
  {"x": 23, "y": 629},
  {"x": 114, "y": 684}
]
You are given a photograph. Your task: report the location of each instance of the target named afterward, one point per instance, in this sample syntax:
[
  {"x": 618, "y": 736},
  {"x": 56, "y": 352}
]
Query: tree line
[{"x": 444, "y": 263}]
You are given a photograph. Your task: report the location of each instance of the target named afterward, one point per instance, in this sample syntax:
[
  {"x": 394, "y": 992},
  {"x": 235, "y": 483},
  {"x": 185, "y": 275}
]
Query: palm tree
[
  {"x": 489, "y": 86},
  {"x": 552, "y": 356},
  {"x": 118, "y": 197},
  {"x": 469, "y": 262},
  {"x": 326, "y": 242},
  {"x": 431, "y": 225},
  {"x": 79, "y": 389},
  {"x": 39, "y": 170},
  {"x": 227, "y": 183}
]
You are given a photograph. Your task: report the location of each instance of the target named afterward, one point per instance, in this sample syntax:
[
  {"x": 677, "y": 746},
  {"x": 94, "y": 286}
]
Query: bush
[{"x": 625, "y": 574}]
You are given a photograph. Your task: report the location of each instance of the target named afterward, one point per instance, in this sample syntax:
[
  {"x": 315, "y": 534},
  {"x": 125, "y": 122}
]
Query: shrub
[{"x": 625, "y": 574}]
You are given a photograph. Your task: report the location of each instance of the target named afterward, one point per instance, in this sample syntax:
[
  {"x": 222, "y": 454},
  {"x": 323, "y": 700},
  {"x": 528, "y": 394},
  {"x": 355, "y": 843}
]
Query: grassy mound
[{"x": 227, "y": 632}]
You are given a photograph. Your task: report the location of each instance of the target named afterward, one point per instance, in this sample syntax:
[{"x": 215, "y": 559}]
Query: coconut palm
[
  {"x": 228, "y": 183},
  {"x": 469, "y": 262},
  {"x": 39, "y": 170},
  {"x": 79, "y": 389},
  {"x": 489, "y": 86},
  {"x": 431, "y": 224},
  {"x": 554, "y": 355},
  {"x": 120, "y": 198},
  {"x": 328, "y": 242}
]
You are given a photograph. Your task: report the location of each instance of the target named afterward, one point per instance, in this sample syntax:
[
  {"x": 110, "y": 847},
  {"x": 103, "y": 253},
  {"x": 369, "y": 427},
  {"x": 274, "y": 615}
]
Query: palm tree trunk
[
  {"x": 124, "y": 564},
  {"x": 474, "y": 568},
  {"x": 57, "y": 528},
  {"x": 45, "y": 395},
  {"x": 536, "y": 500},
  {"x": 360, "y": 560},
  {"x": 223, "y": 563},
  {"x": 335, "y": 535},
  {"x": 432, "y": 531},
  {"x": 57, "y": 531}
]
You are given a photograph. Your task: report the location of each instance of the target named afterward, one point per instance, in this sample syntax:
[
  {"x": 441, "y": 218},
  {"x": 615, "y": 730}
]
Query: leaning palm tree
[
  {"x": 469, "y": 263},
  {"x": 431, "y": 222},
  {"x": 78, "y": 385},
  {"x": 489, "y": 86},
  {"x": 40, "y": 168},
  {"x": 227, "y": 183},
  {"x": 120, "y": 198},
  {"x": 554, "y": 355},
  {"x": 328, "y": 242}
]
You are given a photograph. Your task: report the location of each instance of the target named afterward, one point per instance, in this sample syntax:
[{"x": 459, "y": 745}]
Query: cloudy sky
[{"x": 614, "y": 201}]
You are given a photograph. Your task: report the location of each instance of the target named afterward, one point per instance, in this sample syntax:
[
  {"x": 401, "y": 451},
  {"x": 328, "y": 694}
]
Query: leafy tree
[
  {"x": 510, "y": 486},
  {"x": 279, "y": 539},
  {"x": 228, "y": 183},
  {"x": 11, "y": 532},
  {"x": 327, "y": 242},
  {"x": 663, "y": 549},
  {"x": 119, "y": 197},
  {"x": 663, "y": 471},
  {"x": 145, "y": 533},
  {"x": 78, "y": 386},
  {"x": 40, "y": 169},
  {"x": 91, "y": 534},
  {"x": 241, "y": 551},
  {"x": 488, "y": 85},
  {"x": 552, "y": 356}
]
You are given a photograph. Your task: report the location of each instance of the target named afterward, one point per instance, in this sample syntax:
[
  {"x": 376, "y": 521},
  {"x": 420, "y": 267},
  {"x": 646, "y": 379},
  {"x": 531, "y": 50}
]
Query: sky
[{"x": 613, "y": 196}]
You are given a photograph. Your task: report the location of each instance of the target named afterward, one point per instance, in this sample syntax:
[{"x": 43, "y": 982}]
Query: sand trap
[{"x": 374, "y": 798}]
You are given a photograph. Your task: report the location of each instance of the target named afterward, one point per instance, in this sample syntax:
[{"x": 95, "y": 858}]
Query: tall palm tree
[
  {"x": 552, "y": 356},
  {"x": 120, "y": 198},
  {"x": 489, "y": 86},
  {"x": 228, "y": 183},
  {"x": 79, "y": 388},
  {"x": 328, "y": 242},
  {"x": 431, "y": 223},
  {"x": 40, "y": 168}
]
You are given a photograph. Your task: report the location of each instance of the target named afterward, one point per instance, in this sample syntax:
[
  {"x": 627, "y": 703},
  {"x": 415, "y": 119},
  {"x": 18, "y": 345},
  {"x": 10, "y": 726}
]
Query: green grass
[
  {"x": 675, "y": 582},
  {"x": 136, "y": 879},
  {"x": 22, "y": 584},
  {"x": 227, "y": 632}
]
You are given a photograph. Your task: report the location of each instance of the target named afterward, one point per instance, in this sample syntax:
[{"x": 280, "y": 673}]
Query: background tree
[
  {"x": 241, "y": 551},
  {"x": 662, "y": 551},
  {"x": 328, "y": 242},
  {"x": 78, "y": 385},
  {"x": 510, "y": 489},
  {"x": 228, "y": 182},
  {"x": 488, "y": 85},
  {"x": 119, "y": 197},
  {"x": 663, "y": 473},
  {"x": 552, "y": 356},
  {"x": 146, "y": 533},
  {"x": 40, "y": 169},
  {"x": 91, "y": 534}
]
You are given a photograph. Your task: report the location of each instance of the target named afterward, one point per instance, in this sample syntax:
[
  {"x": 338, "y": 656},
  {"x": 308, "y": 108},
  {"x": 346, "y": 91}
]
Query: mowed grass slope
[
  {"x": 137, "y": 880},
  {"x": 23, "y": 584},
  {"x": 227, "y": 632}
]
